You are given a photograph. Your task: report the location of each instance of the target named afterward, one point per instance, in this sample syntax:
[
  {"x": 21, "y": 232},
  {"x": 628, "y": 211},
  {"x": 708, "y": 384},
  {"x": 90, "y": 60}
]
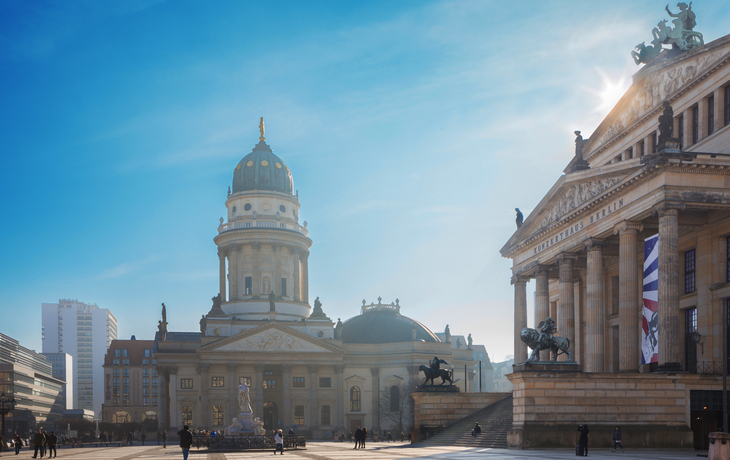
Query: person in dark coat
[
  {"x": 164, "y": 439},
  {"x": 18, "y": 442},
  {"x": 617, "y": 439},
  {"x": 143, "y": 437},
  {"x": 38, "y": 441},
  {"x": 477, "y": 430},
  {"x": 358, "y": 432},
  {"x": 44, "y": 448},
  {"x": 52, "y": 441},
  {"x": 583, "y": 441},
  {"x": 363, "y": 437},
  {"x": 186, "y": 440}
]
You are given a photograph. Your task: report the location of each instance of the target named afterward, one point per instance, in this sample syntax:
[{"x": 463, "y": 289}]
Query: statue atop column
[
  {"x": 338, "y": 329},
  {"x": 203, "y": 324},
  {"x": 469, "y": 342},
  {"x": 447, "y": 334},
  {"x": 261, "y": 129},
  {"x": 520, "y": 218},
  {"x": 162, "y": 325},
  {"x": 272, "y": 301}
]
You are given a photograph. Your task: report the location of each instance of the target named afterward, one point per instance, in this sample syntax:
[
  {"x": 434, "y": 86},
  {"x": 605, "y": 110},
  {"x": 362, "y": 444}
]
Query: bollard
[{"x": 719, "y": 446}]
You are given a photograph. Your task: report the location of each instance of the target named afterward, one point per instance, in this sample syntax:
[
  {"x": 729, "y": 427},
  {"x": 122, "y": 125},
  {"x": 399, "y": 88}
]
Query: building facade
[
  {"x": 131, "y": 382},
  {"x": 85, "y": 332},
  {"x": 62, "y": 369},
  {"x": 647, "y": 170},
  {"x": 303, "y": 369},
  {"x": 27, "y": 377}
]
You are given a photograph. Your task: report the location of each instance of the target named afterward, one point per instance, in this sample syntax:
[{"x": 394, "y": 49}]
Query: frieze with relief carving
[
  {"x": 575, "y": 196},
  {"x": 656, "y": 88},
  {"x": 274, "y": 340}
]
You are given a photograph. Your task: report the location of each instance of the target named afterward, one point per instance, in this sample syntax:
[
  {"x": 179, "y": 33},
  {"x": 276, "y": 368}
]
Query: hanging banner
[{"x": 649, "y": 318}]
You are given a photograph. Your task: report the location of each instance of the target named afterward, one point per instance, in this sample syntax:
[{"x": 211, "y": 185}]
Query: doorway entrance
[{"x": 271, "y": 416}]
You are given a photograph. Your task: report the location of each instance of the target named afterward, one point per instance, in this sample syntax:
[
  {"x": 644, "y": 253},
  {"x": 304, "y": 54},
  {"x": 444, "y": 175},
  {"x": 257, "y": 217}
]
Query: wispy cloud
[{"x": 126, "y": 268}]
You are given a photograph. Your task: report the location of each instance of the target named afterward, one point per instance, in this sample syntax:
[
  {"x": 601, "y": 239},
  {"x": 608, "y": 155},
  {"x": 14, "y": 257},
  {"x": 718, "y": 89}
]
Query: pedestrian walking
[
  {"x": 477, "y": 430},
  {"x": 164, "y": 439},
  {"x": 279, "y": 438},
  {"x": 363, "y": 437},
  {"x": 186, "y": 440},
  {"x": 617, "y": 439},
  {"x": 52, "y": 440},
  {"x": 583, "y": 440},
  {"x": 38, "y": 443},
  {"x": 358, "y": 433},
  {"x": 143, "y": 437},
  {"x": 18, "y": 442},
  {"x": 44, "y": 447}
]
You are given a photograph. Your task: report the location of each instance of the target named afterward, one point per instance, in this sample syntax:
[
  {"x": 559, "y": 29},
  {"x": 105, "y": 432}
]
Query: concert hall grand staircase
[{"x": 495, "y": 420}]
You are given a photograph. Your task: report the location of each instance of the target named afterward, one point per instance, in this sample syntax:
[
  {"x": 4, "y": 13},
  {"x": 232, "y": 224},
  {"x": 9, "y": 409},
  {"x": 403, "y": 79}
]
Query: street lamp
[{"x": 6, "y": 405}]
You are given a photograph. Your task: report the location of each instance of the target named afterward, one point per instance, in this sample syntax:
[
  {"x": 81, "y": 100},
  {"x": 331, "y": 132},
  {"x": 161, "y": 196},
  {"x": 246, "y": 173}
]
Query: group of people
[
  {"x": 582, "y": 448},
  {"x": 360, "y": 437},
  {"x": 43, "y": 442}
]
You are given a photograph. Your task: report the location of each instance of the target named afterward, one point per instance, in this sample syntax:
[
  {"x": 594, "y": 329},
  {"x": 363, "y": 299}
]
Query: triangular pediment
[
  {"x": 271, "y": 338},
  {"x": 570, "y": 194},
  {"x": 652, "y": 85}
]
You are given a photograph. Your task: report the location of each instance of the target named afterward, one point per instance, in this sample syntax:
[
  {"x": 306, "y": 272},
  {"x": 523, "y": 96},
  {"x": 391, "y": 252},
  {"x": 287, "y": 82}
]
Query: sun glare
[{"x": 610, "y": 93}]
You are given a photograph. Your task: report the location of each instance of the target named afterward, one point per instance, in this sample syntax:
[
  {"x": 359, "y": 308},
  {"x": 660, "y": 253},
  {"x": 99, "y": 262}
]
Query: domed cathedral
[
  {"x": 303, "y": 369},
  {"x": 266, "y": 248}
]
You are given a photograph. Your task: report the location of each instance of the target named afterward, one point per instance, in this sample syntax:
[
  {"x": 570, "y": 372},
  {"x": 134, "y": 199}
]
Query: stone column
[
  {"x": 277, "y": 270},
  {"x": 719, "y": 94},
  {"x": 595, "y": 311},
  {"x": 575, "y": 346},
  {"x": 233, "y": 409},
  {"x": 566, "y": 299},
  {"x": 340, "y": 397},
  {"x": 375, "y": 373},
  {"x": 313, "y": 400},
  {"x": 256, "y": 275},
  {"x": 233, "y": 272},
  {"x": 628, "y": 297},
  {"x": 172, "y": 409},
  {"x": 259, "y": 390},
  {"x": 286, "y": 420},
  {"x": 297, "y": 293},
  {"x": 668, "y": 308},
  {"x": 687, "y": 119},
  {"x": 305, "y": 276},
  {"x": 520, "y": 317},
  {"x": 163, "y": 402},
  {"x": 204, "y": 384},
  {"x": 222, "y": 273},
  {"x": 542, "y": 299}
]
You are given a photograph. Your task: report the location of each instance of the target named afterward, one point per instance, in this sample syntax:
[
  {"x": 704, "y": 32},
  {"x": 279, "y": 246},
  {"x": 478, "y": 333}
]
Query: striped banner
[{"x": 649, "y": 318}]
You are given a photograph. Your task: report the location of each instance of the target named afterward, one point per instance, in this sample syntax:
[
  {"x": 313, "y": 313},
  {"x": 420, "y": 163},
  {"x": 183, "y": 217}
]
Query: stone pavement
[{"x": 344, "y": 451}]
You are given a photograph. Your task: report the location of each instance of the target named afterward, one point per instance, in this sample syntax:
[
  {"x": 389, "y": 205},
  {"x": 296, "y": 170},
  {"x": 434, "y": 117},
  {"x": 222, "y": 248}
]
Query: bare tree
[{"x": 395, "y": 404}]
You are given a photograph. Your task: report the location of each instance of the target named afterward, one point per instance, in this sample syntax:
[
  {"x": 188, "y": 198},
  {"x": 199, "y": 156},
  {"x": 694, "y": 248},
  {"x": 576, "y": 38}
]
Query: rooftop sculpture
[{"x": 682, "y": 36}]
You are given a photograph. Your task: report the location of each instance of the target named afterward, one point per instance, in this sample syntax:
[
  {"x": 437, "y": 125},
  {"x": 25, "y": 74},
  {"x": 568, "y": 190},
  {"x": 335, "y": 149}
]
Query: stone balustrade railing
[{"x": 262, "y": 224}]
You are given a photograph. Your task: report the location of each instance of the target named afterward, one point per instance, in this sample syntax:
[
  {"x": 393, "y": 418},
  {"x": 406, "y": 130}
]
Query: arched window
[
  {"x": 355, "y": 399},
  {"x": 121, "y": 417},
  {"x": 394, "y": 398}
]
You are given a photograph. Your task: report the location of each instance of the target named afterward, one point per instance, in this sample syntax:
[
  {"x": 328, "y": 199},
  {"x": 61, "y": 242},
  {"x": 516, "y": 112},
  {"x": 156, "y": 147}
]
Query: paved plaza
[{"x": 337, "y": 451}]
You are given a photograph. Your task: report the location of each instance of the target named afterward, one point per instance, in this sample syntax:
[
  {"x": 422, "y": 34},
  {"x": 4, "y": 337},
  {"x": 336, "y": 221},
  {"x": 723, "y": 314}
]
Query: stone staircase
[{"x": 495, "y": 420}]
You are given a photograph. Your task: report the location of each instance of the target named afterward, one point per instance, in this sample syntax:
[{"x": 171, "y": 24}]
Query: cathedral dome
[
  {"x": 384, "y": 324},
  {"x": 262, "y": 170}
]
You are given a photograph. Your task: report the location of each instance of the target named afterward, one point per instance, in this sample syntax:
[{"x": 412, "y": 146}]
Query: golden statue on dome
[{"x": 261, "y": 129}]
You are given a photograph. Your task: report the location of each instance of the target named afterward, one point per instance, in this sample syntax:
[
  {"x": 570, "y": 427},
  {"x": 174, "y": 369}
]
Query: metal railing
[{"x": 262, "y": 224}]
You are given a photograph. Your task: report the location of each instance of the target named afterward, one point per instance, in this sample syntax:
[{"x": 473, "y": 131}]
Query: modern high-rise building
[
  {"x": 27, "y": 377},
  {"x": 62, "y": 364},
  {"x": 85, "y": 332}
]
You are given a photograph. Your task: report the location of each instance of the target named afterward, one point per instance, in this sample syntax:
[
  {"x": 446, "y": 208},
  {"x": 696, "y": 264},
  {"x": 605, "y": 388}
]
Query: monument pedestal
[
  {"x": 547, "y": 366},
  {"x": 437, "y": 389}
]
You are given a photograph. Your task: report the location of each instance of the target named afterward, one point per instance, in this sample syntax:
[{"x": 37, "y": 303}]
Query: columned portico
[
  {"x": 287, "y": 418},
  {"x": 668, "y": 305},
  {"x": 566, "y": 305},
  {"x": 520, "y": 321},
  {"x": 628, "y": 291},
  {"x": 595, "y": 311}
]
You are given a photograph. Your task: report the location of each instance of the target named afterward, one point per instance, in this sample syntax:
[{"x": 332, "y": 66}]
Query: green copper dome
[{"x": 262, "y": 170}]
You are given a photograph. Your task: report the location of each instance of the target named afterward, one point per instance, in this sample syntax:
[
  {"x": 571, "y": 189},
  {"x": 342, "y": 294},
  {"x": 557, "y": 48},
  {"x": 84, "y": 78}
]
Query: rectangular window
[
  {"x": 241, "y": 379},
  {"x": 145, "y": 382},
  {"x": 125, "y": 372},
  {"x": 711, "y": 114},
  {"x": 125, "y": 382},
  {"x": 690, "y": 346},
  {"x": 116, "y": 372},
  {"x": 695, "y": 124},
  {"x": 154, "y": 373},
  {"x": 124, "y": 353},
  {"x": 125, "y": 392},
  {"x": 125, "y": 362},
  {"x": 116, "y": 401},
  {"x": 187, "y": 415},
  {"x": 115, "y": 362},
  {"x": 116, "y": 382},
  {"x": 145, "y": 401},
  {"x": 145, "y": 362},
  {"x": 116, "y": 391},
  {"x": 283, "y": 287},
  {"x": 147, "y": 353},
  {"x": 325, "y": 415},
  {"x": 689, "y": 271},
  {"x": 217, "y": 382},
  {"x": 269, "y": 384},
  {"x": 680, "y": 130},
  {"x": 154, "y": 382},
  {"x": 145, "y": 372},
  {"x": 249, "y": 285},
  {"x": 117, "y": 353},
  {"x": 145, "y": 391},
  {"x": 325, "y": 382},
  {"x": 155, "y": 392},
  {"x": 298, "y": 382},
  {"x": 186, "y": 384},
  {"x": 218, "y": 415},
  {"x": 299, "y": 415}
]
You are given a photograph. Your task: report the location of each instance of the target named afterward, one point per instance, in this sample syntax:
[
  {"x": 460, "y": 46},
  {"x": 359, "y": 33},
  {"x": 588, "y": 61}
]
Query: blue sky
[{"x": 412, "y": 129}]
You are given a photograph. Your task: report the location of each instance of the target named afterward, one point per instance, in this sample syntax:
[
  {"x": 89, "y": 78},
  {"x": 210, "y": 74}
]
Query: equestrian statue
[
  {"x": 434, "y": 371},
  {"x": 544, "y": 340}
]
